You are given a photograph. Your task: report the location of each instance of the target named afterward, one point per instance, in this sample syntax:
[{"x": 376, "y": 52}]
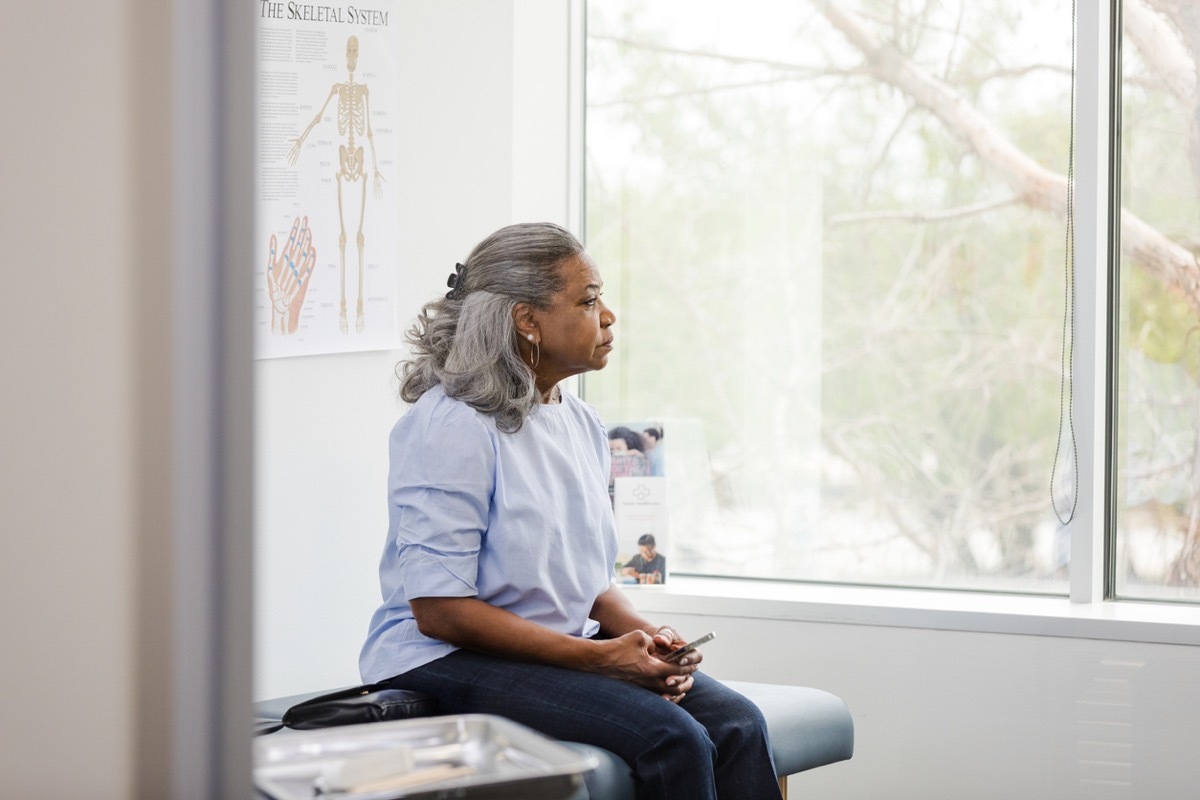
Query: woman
[{"x": 497, "y": 571}]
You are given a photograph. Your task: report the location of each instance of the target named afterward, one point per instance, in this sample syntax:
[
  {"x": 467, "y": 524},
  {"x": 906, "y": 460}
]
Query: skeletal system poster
[{"x": 325, "y": 270}]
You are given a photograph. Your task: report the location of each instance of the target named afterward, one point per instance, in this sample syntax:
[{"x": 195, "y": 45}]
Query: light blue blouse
[{"x": 520, "y": 520}]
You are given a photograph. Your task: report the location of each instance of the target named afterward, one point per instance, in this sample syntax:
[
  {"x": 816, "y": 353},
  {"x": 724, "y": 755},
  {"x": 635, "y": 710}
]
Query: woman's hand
[
  {"x": 635, "y": 657},
  {"x": 668, "y": 641},
  {"x": 665, "y": 639},
  {"x": 618, "y": 620}
]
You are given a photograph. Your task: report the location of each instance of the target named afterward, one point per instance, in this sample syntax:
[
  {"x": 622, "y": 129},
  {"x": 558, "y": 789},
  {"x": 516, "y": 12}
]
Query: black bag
[{"x": 372, "y": 702}]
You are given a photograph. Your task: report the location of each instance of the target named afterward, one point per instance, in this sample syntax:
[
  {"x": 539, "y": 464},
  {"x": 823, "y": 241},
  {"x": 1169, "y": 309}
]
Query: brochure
[{"x": 638, "y": 490}]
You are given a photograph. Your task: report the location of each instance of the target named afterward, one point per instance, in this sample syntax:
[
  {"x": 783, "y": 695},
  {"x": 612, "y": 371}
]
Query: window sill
[{"x": 1155, "y": 623}]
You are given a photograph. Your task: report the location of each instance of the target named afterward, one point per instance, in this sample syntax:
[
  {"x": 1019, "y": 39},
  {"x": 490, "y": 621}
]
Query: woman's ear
[{"x": 524, "y": 322}]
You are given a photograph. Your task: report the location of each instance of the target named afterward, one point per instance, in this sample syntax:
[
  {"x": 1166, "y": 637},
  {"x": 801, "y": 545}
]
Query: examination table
[{"x": 808, "y": 728}]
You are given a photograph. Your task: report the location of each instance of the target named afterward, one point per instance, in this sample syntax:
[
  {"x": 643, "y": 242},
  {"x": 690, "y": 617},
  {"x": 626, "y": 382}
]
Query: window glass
[
  {"x": 833, "y": 235},
  {"x": 1157, "y": 453}
]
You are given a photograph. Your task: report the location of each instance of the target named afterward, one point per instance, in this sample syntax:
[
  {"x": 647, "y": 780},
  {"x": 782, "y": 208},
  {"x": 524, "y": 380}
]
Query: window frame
[{"x": 1097, "y": 252}]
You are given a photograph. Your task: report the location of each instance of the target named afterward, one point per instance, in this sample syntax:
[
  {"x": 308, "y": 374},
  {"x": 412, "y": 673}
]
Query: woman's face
[
  {"x": 617, "y": 446},
  {"x": 576, "y": 333}
]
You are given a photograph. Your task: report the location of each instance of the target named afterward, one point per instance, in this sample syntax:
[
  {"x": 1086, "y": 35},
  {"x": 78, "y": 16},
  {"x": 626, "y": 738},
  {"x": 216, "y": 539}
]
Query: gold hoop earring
[{"x": 535, "y": 357}]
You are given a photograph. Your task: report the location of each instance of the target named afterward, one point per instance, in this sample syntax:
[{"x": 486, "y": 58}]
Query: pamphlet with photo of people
[{"x": 638, "y": 489}]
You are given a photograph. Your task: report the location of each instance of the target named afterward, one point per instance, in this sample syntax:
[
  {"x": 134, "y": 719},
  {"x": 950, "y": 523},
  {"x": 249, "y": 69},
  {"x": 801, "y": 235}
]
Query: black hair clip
[{"x": 455, "y": 282}]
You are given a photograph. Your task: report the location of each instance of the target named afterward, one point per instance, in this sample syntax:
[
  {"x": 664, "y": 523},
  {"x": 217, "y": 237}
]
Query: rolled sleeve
[
  {"x": 438, "y": 542},
  {"x": 441, "y": 499}
]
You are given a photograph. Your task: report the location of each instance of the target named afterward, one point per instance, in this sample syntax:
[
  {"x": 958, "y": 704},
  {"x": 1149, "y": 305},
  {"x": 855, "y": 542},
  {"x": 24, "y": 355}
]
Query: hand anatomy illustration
[
  {"x": 353, "y": 120},
  {"x": 288, "y": 272}
]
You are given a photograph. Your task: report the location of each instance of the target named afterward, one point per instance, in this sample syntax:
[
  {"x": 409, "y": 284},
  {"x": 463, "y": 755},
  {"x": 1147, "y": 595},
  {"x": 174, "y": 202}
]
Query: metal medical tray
[{"x": 462, "y": 756}]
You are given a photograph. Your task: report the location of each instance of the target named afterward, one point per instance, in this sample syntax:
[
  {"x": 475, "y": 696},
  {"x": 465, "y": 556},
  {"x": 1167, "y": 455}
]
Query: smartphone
[{"x": 689, "y": 647}]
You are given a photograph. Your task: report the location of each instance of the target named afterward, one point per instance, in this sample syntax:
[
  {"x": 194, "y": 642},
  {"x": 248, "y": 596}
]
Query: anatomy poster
[{"x": 325, "y": 270}]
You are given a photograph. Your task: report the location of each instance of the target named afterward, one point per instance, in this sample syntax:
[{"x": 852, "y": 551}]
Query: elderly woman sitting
[{"x": 497, "y": 570}]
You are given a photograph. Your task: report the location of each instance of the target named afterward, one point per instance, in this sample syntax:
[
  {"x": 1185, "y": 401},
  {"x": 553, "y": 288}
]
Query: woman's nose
[{"x": 607, "y": 317}]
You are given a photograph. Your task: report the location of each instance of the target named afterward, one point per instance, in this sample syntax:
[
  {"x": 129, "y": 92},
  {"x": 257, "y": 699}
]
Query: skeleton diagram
[
  {"x": 353, "y": 119},
  {"x": 288, "y": 271}
]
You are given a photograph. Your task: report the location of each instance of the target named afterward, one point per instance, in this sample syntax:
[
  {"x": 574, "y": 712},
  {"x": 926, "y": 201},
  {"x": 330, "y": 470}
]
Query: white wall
[
  {"x": 479, "y": 149},
  {"x": 979, "y": 716}
]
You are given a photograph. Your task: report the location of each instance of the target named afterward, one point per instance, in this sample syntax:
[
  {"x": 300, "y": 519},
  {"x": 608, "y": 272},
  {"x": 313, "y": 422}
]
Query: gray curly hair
[{"x": 468, "y": 342}]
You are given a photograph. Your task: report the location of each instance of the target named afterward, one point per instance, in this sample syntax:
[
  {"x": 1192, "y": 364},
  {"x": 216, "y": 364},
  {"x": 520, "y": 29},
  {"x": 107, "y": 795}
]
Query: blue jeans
[{"x": 712, "y": 744}]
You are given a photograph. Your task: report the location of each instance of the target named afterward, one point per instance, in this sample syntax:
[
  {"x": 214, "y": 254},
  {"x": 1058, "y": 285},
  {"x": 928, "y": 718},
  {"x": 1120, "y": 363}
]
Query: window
[
  {"x": 834, "y": 235},
  {"x": 1157, "y": 452}
]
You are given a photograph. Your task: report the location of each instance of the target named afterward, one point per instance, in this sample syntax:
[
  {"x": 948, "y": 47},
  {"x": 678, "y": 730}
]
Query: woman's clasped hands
[{"x": 638, "y": 658}]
